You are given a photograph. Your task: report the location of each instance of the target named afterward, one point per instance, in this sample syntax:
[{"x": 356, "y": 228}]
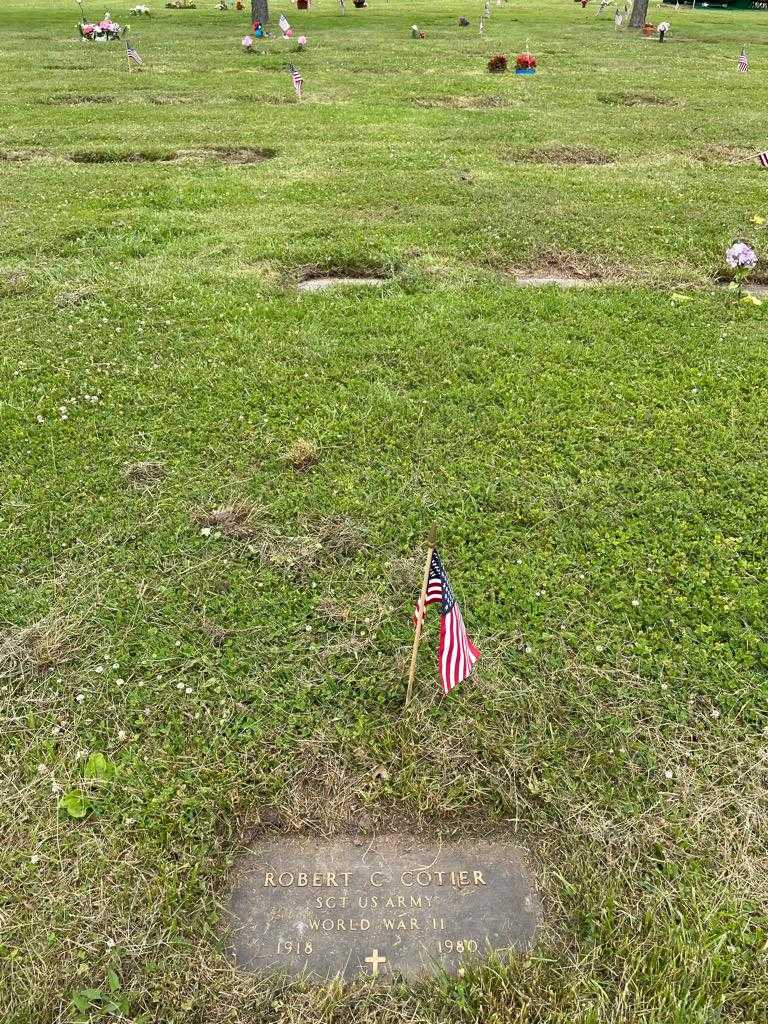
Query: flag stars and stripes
[
  {"x": 298, "y": 81},
  {"x": 456, "y": 654}
]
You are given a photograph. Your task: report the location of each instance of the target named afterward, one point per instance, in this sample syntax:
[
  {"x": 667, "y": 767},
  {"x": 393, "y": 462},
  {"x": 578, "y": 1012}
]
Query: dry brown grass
[
  {"x": 146, "y": 474},
  {"x": 725, "y": 153},
  {"x": 340, "y": 537},
  {"x": 33, "y": 651},
  {"x": 463, "y": 102},
  {"x": 13, "y": 282},
  {"x": 565, "y": 156},
  {"x": 238, "y": 521},
  {"x": 302, "y": 455}
]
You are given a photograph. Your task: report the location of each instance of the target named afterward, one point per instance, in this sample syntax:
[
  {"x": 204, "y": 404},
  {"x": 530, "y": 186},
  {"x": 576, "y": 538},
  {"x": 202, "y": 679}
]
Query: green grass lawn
[{"x": 595, "y": 459}]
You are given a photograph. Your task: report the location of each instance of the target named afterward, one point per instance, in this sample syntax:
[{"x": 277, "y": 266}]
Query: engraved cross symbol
[{"x": 374, "y": 960}]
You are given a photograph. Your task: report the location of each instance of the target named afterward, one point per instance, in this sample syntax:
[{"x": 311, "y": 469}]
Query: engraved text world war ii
[{"x": 393, "y": 905}]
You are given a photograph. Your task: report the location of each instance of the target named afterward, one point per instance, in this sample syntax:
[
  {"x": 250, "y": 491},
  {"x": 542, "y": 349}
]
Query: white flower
[
  {"x": 99, "y": 669},
  {"x": 669, "y": 774},
  {"x": 57, "y": 730},
  {"x": 715, "y": 713},
  {"x": 179, "y": 686},
  {"x": 188, "y": 689},
  {"x": 206, "y": 531},
  {"x": 55, "y": 787},
  {"x": 80, "y": 698},
  {"x": 635, "y": 603},
  {"x": 122, "y": 735},
  {"x": 664, "y": 686},
  {"x": 41, "y": 769},
  {"x": 110, "y": 943},
  {"x": 40, "y": 419},
  {"x": 34, "y": 858}
]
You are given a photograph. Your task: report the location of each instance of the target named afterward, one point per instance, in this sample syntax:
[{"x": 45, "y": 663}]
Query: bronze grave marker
[{"x": 386, "y": 906}]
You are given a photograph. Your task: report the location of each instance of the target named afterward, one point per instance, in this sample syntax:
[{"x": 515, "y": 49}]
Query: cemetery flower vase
[
  {"x": 649, "y": 29},
  {"x": 525, "y": 64}
]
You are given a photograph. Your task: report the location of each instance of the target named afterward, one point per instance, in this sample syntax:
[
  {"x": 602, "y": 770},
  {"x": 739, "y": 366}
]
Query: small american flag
[
  {"x": 743, "y": 60},
  {"x": 132, "y": 54},
  {"x": 298, "y": 81},
  {"x": 456, "y": 654},
  {"x": 763, "y": 158}
]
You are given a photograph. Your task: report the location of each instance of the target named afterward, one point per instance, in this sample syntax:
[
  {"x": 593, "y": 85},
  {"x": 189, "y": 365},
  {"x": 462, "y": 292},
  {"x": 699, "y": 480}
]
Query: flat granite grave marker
[{"x": 386, "y": 906}]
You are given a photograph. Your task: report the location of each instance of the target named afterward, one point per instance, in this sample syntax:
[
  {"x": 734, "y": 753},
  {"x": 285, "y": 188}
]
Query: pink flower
[
  {"x": 247, "y": 42},
  {"x": 105, "y": 25},
  {"x": 740, "y": 256},
  {"x": 289, "y": 33},
  {"x": 302, "y": 40},
  {"x": 87, "y": 30}
]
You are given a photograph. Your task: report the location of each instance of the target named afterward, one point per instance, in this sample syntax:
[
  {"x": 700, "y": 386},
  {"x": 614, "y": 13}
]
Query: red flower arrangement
[
  {"x": 497, "y": 64},
  {"x": 525, "y": 61}
]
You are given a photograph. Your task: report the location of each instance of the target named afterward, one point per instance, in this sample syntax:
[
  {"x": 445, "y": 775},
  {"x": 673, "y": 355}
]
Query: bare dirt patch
[
  {"x": 636, "y": 99},
  {"x": 568, "y": 156}
]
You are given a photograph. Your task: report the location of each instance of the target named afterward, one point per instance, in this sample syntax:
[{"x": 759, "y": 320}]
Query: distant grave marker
[
  {"x": 382, "y": 907},
  {"x": 321, "y": 283}
]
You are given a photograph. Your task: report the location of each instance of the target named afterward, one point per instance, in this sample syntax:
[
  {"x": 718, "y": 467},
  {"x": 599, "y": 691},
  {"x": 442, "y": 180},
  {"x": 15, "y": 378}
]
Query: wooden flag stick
[{"x": 432, "y": 543}]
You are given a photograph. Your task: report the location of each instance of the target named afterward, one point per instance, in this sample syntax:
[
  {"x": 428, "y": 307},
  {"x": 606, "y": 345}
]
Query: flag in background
[
  {"x": 298, "y": 81},
  {"x": 743, "y": 60},
  {"x": 132, "y": 54},
  {"x": 456, "y": 653}
]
